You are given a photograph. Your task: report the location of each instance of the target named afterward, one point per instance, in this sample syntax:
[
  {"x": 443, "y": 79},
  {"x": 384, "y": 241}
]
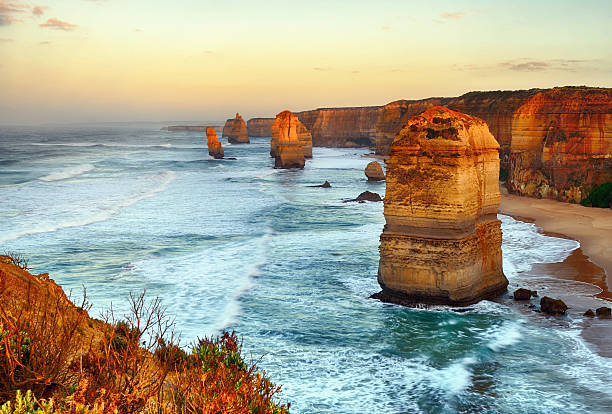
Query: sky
[{"x": 64, "y": 61}]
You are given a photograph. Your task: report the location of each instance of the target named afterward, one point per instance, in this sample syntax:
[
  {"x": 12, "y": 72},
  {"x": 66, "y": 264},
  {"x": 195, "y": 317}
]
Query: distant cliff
[
  {"x": 341, "y": 127},
  {"x": 260, "y": 127}
]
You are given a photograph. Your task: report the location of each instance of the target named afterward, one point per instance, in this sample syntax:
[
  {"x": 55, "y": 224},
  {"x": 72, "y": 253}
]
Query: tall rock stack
[
  {"x": 442, "y": 239},
  {"x": 285, "y": 144},
  {"x": 215, "y": 148},
  {"x": 236, "y": 131},
  {"x": 304, "y": 137}
]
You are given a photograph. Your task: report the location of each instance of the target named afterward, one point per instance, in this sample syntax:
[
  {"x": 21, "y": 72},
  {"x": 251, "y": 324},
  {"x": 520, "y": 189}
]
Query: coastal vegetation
[
  {"x": 54, "y": 358},
  {"x": 600, "y": 196}
]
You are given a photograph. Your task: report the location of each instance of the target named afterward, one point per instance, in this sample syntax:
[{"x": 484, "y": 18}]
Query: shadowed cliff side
[
  {"x": 260, "y": 127},
  {"x": 442, "y": 239}
]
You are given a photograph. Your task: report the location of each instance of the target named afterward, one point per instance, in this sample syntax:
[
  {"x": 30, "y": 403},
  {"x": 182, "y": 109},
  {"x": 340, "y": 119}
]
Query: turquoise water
[{"x": 239, "y": 245}]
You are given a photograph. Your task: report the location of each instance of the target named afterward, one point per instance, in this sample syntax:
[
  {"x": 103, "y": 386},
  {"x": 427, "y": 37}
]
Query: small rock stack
[{"x": 215, "y": 149}]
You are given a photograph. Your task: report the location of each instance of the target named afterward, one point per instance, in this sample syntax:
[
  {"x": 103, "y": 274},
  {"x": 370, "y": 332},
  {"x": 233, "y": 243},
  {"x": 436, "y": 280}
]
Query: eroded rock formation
[
  {"x": 304, "y": 137},
  {"x": 374, "y": 172},
  {"x": 215, "y": 148},
  {"x": 442, "y": 239},
  {"x": 285, "y": 144},
  {"x": 260, "y": 127},
  {"x": 236, "y": 131}
]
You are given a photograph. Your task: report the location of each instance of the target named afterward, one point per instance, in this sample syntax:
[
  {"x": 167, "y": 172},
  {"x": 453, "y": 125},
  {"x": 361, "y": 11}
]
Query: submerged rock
[
  {"x": 285, "y": 142},
  {"x": 553, "y": 306},
  {"x": 326, "y": 184},
  {"x": 215, "y": 149},
  {"x": 374, "y": 172},
  {"x": 603, "y": 312},
  {"x": 366, "y": 196},
  {"x": 442, "y": 239},
  {"x": 589, "y": 313}
]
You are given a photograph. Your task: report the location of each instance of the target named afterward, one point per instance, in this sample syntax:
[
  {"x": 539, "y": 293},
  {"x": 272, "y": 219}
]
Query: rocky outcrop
[
  {"x": 442, "y": 239},
  {"x": 341, "y": 127},
  {"x": 260, "y": 127},
  {"x": 365, "y": 196},
  {"x": 304, "y": 137},
  {"x": 215, "y": 148},
  {"x": 553, "y": 306},
  {"x": 374, "y": 172},
  {"x": 561, "y": 143},
  {"x": 285, "y": 143},
  {"x": 524, "y": 294},
  {"x": 236, "y": 131}
]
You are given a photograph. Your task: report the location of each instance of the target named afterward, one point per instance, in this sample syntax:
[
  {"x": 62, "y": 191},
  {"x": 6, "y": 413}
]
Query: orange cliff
[
  {"x": 562, "y": 143},
  {"x": 304, "y": 137},
  {"x": 235, "y": 130},
  {"x": 260, "y": 127},
  {"x": 215, "y": 149},
  {"x": 285, "y": 143},
  {"x": 442, "y": 239}
]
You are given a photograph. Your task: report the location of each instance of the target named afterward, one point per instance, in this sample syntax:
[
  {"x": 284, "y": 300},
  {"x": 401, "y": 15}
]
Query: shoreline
[{"x": 591, "y": 227}]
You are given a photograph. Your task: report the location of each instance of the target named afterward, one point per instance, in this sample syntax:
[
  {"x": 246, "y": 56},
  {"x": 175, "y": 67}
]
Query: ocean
[{"x": 238, "y": 245}]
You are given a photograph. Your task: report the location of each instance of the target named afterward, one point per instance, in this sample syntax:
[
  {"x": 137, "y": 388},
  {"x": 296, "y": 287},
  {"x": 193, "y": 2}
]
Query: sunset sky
[{"x": 124, "y": 60}]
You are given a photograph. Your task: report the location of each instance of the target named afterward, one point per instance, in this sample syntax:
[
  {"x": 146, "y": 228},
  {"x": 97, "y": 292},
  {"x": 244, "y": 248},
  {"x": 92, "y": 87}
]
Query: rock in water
[
  {"x": 589, "y": 313},
  {"x": 215, "y": 148},
  {"x": 326, "y": 184},
  {"x": 285, "y": 142},
  {"x": 603, "y": 312},
  {"x": 553, "y": 306},
  {"x": 523, "y": 294},
  {"x": 304, "y": 137},
  {"x": 366, "y": 196},
  {"x": 236, "y": 131},
  {"x": 442, "y": 239},
  {"x": 374, "y": 172}
]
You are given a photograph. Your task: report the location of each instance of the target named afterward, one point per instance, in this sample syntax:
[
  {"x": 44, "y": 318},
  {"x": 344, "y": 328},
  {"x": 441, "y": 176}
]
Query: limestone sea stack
[
  {"x": 442, "y": 239},
  {"x": 303, "y": 135},
  {"x": 236, "y": 131},
  {"x": 215, "y": 148},
  {"x": 374, "y": 172},
  {"x": 288, "y": 152}
]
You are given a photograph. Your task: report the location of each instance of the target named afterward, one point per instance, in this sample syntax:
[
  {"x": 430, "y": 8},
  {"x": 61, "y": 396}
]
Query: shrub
[
  {"x": 503, "y": 174},
  {"x": 28, "y": 404},
  {"x": 600, "y": 196}
]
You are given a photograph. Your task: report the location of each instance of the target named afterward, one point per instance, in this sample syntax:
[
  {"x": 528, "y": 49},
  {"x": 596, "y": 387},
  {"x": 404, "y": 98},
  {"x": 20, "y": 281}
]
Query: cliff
[
  {"x": 442, "y": 239},
  {"x": 561, "y": 143},
  {"x": 174, "y": 128},
  {"x": 285, "y": 145},
  {"x": 236, "y": 131},
  {"x": 341, "y": 127},
  {"x": 215, "y": 149},
  {"x": 260, "y": 127}
]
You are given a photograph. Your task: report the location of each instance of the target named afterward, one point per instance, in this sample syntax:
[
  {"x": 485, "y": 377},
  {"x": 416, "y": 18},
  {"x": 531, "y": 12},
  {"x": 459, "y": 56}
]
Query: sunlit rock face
[
  {"x": 374, "y": 172},
  {"x": 304, "y": 136},
  {"x": 562, "y": 143},
  {"x": 260, "y": 127},
  {"x": 341, "y": 127},
  {"x": 215, "y": 148},
  {"x": 285, "y": 144},
  {"x": 236, "y": 131},
  {"x": 442, "y": 239}
]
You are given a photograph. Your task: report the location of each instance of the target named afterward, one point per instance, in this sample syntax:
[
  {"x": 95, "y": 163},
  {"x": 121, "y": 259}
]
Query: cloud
[
  {"x": 138, "y": 30},
  {"x": 5, "y": 40},
  {"x": 9, "y": 8},
  {"x": 386, "y": 27},
  {"x": 530, "y": 65},
  {"x": 46, "y": 42},
  {"x": 39, "y": 10},
  {"x": 452, "y": 15},
  {"x": 57, "y": 24},
  {"x": 320, "y": 69}
]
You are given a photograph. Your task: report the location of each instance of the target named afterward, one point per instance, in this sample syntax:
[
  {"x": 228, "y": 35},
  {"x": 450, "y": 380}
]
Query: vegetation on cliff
[
  {"x": 54, "y": 358},
  {"x": 600, "y": 196}
]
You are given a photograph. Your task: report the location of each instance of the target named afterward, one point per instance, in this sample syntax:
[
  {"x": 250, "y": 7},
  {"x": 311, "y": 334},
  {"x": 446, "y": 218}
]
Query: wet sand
[{"x": 590, "y": 265}]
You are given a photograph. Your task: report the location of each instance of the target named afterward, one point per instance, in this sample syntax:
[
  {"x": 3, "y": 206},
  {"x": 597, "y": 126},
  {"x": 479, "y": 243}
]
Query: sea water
[{"x": 238, "y": 245}]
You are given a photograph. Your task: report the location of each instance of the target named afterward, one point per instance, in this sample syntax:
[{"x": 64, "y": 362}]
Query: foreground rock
[
  {"x": 374, "y": 172},
  {"x": 524, "y": 294},
  {"x": 215, "y": 149},
  {"x": 326, "y": 184},
  {"x": 236, "y": 131},
  {"x": 366, "y": 196},
  {"x": 603, "y": 312},
  {"x": 303, "y": 136},
  {"x": 553, "y": 306},
  {"x": 285, "y": 144},
  {"x": 260, "y": 127},
  {"x": 442, "y": 239}
]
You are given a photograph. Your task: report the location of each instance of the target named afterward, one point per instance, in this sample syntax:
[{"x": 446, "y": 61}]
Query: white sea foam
[
  {"x": 164, "y": 179},
  {"x": 457, "y": 377},
  {"x": 69, "y": 172},
  {"x": 504, "y": 336}
]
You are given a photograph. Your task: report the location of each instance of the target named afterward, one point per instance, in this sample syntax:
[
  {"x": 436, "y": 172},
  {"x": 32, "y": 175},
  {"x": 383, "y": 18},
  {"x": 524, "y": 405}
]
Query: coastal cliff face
[
  {"x": 236, "y": 131},
  {"x": 341, "y": 127},
  {"x": 215, "y": 148},
  {"x": 304, "y": 136},
  {"x": 260, "y": 127},
  {"x": 442, "y": 239},
  {"x": 285, "y": 143},
  {"x": 562, "y": 143}
]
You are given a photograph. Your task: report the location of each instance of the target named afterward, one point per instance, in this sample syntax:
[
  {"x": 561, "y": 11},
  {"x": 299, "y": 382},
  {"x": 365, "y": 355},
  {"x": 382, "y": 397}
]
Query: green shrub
[
  {"x": 503, "y": 174},
  {"x": 27, "y": 404},
  {"x": 600, "y": 196}
]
